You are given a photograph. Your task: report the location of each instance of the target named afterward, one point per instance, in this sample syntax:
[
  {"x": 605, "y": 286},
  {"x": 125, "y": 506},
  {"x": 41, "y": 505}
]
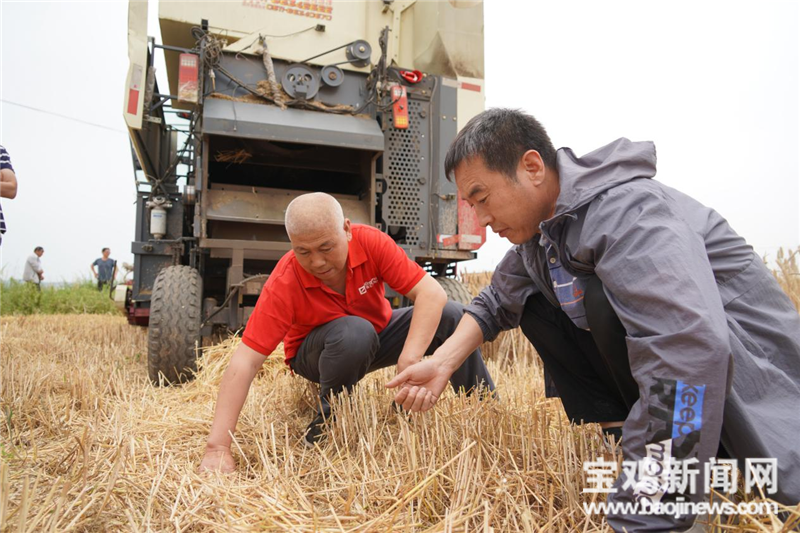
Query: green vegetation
[{"x": 17, "y": 298}]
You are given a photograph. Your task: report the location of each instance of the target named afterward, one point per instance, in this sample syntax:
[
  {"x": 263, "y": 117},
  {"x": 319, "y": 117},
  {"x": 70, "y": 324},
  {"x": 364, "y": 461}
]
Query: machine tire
[
  {"x": 175, "y": 313},
  {"x": 455, "y": 290}
]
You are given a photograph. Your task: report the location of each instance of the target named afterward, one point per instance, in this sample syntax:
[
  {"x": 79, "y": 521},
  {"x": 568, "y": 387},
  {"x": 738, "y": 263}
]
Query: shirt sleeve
[
  {"x": 395, "y": 267},
  {"x": 270, "y": 321},
  {"x": 5, "y": 160}
]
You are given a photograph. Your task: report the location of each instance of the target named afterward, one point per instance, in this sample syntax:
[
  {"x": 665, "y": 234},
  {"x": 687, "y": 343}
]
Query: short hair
[
  {"x": 38, "y": 249},
  {"x": 500, "y": 137},
  {"x": 300, "y": 218},
  {"x": 104, "y": 249}
]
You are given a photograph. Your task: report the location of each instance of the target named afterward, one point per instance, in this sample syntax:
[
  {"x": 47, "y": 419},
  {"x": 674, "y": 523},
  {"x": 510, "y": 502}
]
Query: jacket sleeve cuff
[{"x": 489, "y": 333}]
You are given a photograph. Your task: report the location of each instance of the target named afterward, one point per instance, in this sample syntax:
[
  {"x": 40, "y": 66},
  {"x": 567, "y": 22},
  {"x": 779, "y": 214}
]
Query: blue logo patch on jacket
[{"x": 688, "y": 413}]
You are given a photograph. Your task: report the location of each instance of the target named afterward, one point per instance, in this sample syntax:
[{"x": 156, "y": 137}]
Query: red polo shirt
[{"x": 293, "y": 302}]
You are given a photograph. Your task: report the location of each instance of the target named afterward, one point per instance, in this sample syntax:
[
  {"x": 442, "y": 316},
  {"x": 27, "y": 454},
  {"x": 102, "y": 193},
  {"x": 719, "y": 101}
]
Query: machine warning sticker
[
  {"x": 312, "y": 9},
  {"x": 134, "y": 89}
]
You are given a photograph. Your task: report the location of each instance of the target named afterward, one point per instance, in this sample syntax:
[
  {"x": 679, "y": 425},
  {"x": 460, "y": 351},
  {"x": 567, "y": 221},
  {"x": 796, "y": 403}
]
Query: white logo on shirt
[{"x": 362, "y": 290}]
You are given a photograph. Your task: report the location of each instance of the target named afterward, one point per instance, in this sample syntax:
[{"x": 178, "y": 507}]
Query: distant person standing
[
  {"x": 106, "y": 269},
  {"x": 33, "y": 272},
  {"x": 8, "y": 185}
]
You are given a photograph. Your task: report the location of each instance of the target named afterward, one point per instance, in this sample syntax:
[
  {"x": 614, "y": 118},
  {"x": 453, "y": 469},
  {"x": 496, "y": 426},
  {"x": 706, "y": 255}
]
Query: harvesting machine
[{"x": 269, "y": 99}]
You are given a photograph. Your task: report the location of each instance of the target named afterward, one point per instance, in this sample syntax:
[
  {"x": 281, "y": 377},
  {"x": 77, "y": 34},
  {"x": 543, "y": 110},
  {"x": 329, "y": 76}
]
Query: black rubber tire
[
  {"x": 455, "y": 290},
  {"x": 174, "y": 329}
]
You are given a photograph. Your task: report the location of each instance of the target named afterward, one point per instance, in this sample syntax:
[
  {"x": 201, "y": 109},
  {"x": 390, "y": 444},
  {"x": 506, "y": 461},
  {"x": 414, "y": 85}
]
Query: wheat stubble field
[{"x": 87, "y": 444}]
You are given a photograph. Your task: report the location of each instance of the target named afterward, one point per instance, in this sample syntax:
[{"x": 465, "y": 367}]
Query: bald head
[
  {"x": 320, "y": 235},
  {"x": 313, "y": 213}
]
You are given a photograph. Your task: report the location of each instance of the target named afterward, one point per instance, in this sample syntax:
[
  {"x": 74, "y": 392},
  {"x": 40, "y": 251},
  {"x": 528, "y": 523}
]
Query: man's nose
[{"x": 484, "y": 218}]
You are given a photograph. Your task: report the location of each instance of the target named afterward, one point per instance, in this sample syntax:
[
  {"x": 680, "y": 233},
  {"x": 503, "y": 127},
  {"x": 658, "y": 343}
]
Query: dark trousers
[
  {"x": 102, "y": 283},
  {"x": 338, "y": 354},
  {"x": 588, "y": 370}
]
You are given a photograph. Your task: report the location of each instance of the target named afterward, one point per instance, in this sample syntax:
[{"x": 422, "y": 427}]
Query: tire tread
[
  {"x": 455, "y": 290},
  {"x": 175, "y": 311}
]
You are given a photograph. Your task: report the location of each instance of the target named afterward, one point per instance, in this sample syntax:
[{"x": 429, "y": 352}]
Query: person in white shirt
[{"x": 33, "y": 272}]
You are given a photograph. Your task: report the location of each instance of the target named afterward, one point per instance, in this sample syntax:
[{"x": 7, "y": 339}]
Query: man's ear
[
  {"x": 532, "y": 167},
  {"x": 348, "y": 229}
]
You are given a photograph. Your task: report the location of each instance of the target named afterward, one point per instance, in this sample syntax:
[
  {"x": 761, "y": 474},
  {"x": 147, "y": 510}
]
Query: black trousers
[
  {"x": 588, "y": 370},
  {"x": 338, "y": 354}
]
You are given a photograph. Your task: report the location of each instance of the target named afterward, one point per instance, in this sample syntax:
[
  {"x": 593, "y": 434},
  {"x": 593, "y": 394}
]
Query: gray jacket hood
[{"x": 583, "y": 178}]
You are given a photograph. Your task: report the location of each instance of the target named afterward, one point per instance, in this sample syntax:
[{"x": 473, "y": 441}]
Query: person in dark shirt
[
  {"x": 106, "y": 269},
  {"x": 8, "y": 185}
]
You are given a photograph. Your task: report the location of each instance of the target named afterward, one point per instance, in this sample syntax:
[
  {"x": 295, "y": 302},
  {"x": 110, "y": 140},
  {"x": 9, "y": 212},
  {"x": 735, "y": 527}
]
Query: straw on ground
[{"x": 89, "y": 445}]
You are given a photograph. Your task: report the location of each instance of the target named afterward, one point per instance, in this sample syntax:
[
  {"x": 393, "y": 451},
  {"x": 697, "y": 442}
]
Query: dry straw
[
  {"x": 89, "y": 445},
  {"x": 788, "y": 273},
  {"x": 233, "y": 156}
]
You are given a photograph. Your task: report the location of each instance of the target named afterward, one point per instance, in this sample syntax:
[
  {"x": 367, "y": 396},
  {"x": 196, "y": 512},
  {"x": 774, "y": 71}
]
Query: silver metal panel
[
  {"x": 407, "y": 174},
  {"x": 256, "y": 121},
  {"x": 261, "y": 205},
  {"x": 444, "y": 202},
  {"x": 264, "y": 255},
  {"x": 229, "y": 244}
]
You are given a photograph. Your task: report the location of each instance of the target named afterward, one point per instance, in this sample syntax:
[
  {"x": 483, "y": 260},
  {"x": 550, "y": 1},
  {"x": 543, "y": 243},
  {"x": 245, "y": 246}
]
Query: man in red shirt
[{"x": 325, "y": 301}]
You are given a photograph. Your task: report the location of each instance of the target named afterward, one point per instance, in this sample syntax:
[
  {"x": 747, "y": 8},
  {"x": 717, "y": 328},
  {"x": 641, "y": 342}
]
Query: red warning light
[{"x": 400, "y": 107}]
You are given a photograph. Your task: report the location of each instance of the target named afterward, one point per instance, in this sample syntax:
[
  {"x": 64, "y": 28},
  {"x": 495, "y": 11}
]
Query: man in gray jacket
[{"x": 644, "y": 305}]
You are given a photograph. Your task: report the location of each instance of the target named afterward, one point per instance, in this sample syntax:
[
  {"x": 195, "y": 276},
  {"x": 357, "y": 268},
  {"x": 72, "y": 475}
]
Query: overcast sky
[{"x": 713, "y": 84}]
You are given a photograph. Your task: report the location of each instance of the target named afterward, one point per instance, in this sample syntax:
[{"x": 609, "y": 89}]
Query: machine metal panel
[
  {"x": 444, "y": 199},
  {"x": 261, "y": 205},
  {"x": 407, "y": 174},
  {"x": 151, "y": 255},
  {"x": 444, "y": 38},
  {"x": 256, "y": 121},
  {"x": 137, "y": 70},
  {"x": 351, "y": 90}
]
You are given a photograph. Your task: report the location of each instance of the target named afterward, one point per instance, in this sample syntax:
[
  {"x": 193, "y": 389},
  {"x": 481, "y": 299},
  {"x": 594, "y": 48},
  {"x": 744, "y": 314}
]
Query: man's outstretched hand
[
  {"x": 218, "y": 459},
  {"x": 420, "y": 384}
]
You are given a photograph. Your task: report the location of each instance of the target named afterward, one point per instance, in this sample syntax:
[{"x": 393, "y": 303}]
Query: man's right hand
[
  {"x": 217, "y": 459},
  {"x": 233, "y": 390},
  {"x": 420, "y": 384}
]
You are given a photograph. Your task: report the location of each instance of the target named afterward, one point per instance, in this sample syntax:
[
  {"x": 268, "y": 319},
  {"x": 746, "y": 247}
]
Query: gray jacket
[{"x": 703, "y": 317}]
